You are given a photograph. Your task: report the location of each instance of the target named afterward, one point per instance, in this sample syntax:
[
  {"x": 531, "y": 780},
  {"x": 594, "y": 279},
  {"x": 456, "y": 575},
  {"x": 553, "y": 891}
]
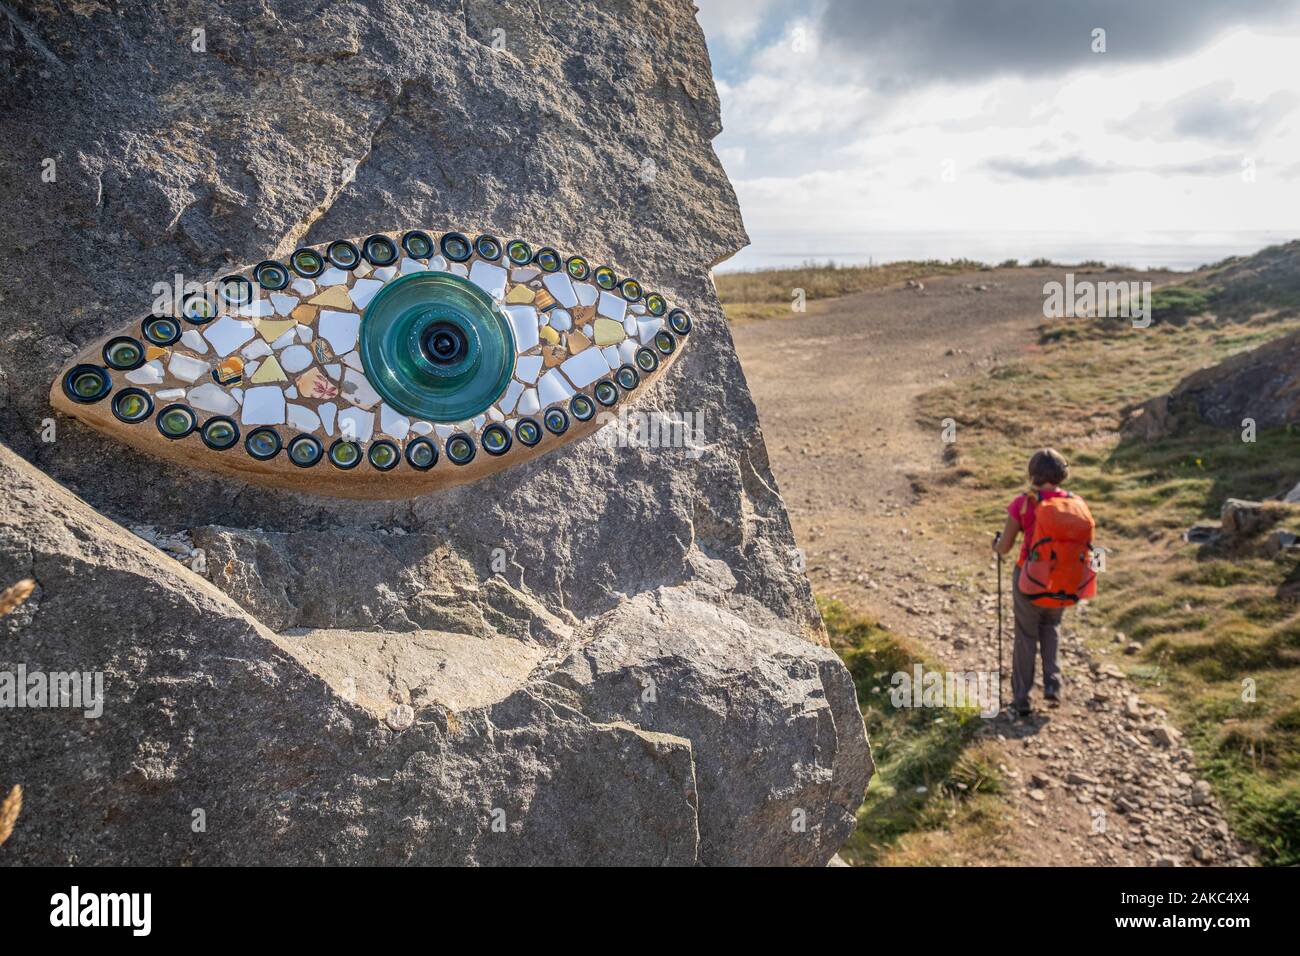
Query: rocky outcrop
[{"x": 604, "y": 655}]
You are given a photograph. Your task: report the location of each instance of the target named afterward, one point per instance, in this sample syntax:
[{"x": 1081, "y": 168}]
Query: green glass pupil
[
  {"x": 459, "y": 448},
  {"x": 383, "y": 455},
  {"x": 132, "y": 406},
  {"x": 219, "y": 433},
  {"x": 519, "y": 252},
  {"x": 346, "y": 453},
  {"x": 422, "y": 454},
  {"x": 175, "y": 421}
]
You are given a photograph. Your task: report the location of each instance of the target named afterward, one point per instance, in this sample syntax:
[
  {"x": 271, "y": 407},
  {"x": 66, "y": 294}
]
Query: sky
[{"x": 996, "y": 125}]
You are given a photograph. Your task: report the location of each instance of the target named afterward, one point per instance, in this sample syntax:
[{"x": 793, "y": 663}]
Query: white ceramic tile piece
[
  {"x": 583, "y": 368},
  {"x": 327, "y": 411},
  {"x": 305, "y": 334},
  {"x": 358, "y": 390},
  {"x": 291, "y": 391},
  {"x": 339, "y": 329},
  {"x": 356, "y": 424},
  {"x": 445, "y": 431},
  {"x": 257, "y": 309},
  {"x": 527, "y": 367},
  {"x": 437, "y": 264},
  {"x": 151, "y": 373},
  {"x": 169, "y": 394},
  {"x": 586, "y": 293},
  {"x": 561, "y": 286},
  {"x": 361, "y": 270},
  {"x": 393, "y": 423},
  {"x": 211, "y": 397},
  {"x": 332, "y": 276},
  {"x": 227, "y": 334},
  {"x": 250, "y": 367},
  {"x": 524, "y": 273},
  {"x": 304, "y": 287},
  {"x": 187, "y": 368},
  {"x": 257, "y": 349},
  {"x": 238, "y": 395},
  {"x": 553, "y": 388},
  {"x": 529, "y": 403},
  {"x": 512, "y": 393},
  {"x": 364, "y": 291},
  {"x": 458, "y": 269},
  {"x": 636, "y": 308},
  {"x": 629, "y": 325},
  {"x": 283, "y": 304},
  {"x": 494, "y": 413},
  {"x": 406, "y": 267},
  {"x": 302, "y": 418},
  {"x": 612, "y": 358},
  {"x": 334, "y": 370},
  {"x": 560, "y": 320},
  {"x": 193, "y": 340},
  {"x": 523, "y": 319},
  {"x": 353, "y": 360},
  {"x": 611, "y": 306},
  {"x": 289, "y": 337},
  {"x": 386, "y": 273},
  {"x": 263, "y": 405},
  {"x": 647, "y": 327},
  {"x": 488, "y": 277},
  {"x": 295, "y": 359},
  {"x": 421, "y": 428},
  {"x": 627, "y": 351}
]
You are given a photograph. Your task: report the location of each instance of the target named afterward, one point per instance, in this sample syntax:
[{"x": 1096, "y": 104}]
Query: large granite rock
[{"x": 612, "y": 646}]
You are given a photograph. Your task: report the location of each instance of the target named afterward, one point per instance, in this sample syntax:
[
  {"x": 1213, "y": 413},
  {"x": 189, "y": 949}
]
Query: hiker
[{"x": 1054, "y": 570}]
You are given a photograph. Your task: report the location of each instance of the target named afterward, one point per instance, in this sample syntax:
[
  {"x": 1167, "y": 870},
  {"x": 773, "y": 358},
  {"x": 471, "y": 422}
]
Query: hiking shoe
[
  {"x": 1022, "y": 710},
  {"x": 1053, "y": 698}
]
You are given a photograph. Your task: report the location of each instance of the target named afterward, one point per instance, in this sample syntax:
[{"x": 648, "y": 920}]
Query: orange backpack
[{"x": 1059, "y": 569}]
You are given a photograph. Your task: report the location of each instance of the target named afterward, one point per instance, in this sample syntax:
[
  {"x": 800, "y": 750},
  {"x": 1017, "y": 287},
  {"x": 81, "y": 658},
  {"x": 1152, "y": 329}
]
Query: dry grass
[
  {"x": 12, "y": 598},
  {"x": 1210, "y": 625},
  {"x": 769, "y": 293},
  {"x": 9, "y": 810}
]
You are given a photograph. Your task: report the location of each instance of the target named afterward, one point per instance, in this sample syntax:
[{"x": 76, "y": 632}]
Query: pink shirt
[{"x": 1022, "y": 509}]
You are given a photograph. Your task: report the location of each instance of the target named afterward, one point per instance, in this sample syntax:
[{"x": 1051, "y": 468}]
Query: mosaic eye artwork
[{"x": 379, "y": 368}]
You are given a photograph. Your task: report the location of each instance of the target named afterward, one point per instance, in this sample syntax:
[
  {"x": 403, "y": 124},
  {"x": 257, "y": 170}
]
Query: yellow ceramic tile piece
[
  {"x": 582, "y": 314},
  {"x": 520, "y": 295},
  {"x": 543, "y": 300},
  {"x": 230, "y": 370},
  {"x": 577, "y": 342},
  {"x": 152, "y": 352},
  {"x": 268, "y": 371},
  {"x": 609, "y": 332},
  {"x": 553, "y": 355},
  {"x": 304, "y": 313},
  {"x": 335, "y": 297},
  {"x": 272, "y": 329},
  {"x": 549, "y": 335}
]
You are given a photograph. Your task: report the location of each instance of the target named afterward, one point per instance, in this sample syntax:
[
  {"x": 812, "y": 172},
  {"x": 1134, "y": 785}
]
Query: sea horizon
[{"x": 1182, "y": 251}]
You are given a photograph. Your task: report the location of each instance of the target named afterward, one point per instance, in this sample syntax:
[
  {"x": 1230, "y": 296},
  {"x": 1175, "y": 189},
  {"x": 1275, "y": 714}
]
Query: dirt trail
[{"x": 836, "y": 392}]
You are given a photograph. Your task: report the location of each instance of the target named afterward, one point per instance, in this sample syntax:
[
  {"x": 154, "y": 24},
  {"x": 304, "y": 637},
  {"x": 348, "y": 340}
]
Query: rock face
[{"x": 605, "y": 655}]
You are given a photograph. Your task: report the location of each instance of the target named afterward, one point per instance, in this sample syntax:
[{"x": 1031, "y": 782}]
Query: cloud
[
  {"x": 903, "y": 43},
  {"x": 1076, "y": 167},
  {"x": 1210, "y": 113},
  {"x": 734, "y": 23}
]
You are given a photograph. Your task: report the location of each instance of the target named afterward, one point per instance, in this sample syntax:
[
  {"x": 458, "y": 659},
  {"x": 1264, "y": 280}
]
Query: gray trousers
[{"x": 1037, "y": 628}]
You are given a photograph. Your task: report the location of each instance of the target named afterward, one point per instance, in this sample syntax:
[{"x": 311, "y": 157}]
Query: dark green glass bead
[
  {"x": 123, "y": 353},
  {"x": 271, "y": 275},
  {"x": 343, "y": 254},
  {"x": 417, "y": 244},
  {"x": 460, "y": 449},
  {"x": 262, "y": 443},
  {"x": 582, "y": 408},
  {"x": 345, "y": 454},
  {"x": 219, "y": 433},
  {"x": 308, "y": 263},
  {"x": 556, "y": 421},
  {"x": 132, "y": 405},
  {"x": 176, "y": 421},
  {"x": 305, "y": 451},
  {"x": 161, "y": 330},
  {"x": 519, "y": 252},
  {"x": 384, "y": 455},
  {"x": 421, "y": 454},
  {"x": 85, "y": 384},
  {"x": 495, "y": 440}
]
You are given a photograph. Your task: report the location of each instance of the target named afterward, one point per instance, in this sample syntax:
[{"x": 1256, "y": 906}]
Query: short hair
[{"x": 1048, "y": 466}]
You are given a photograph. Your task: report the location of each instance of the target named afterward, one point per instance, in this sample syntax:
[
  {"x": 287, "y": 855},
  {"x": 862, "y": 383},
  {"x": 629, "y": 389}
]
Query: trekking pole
[{"x": 997, "y": 537}]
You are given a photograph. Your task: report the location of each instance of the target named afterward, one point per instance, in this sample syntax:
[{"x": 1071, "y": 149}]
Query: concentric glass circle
[
  {"x": 342, "y": 255},
  {"x": 605, "y": 392},
  {"x": 262, "y": 443},
  {"x": 646, "y": 360},
  {"x": 132, "y": 405},
  {"x": 519, "y": 252},
  {"x": 176, "y": 421},
  {"x": 219, "y": 433},
  {"x": 460, "y": 449},
  {"x": 577, "y": 267},
  {"x": 308, "y": 263},
  {"x": 455, "y": 246},
  {"x": 489, "y": 247},
  {"x": 656, "y": 304},
  {"x": 199, "y": 310},
  {"x": 631, "y": 289},
  {"x": 417, "y": 244},
  {"x": 236, "y": 290},
  {"x": 271, "y": 275},
  {"x": 627, "y": 377},
  {"x": 123, "y": 353},
  {"x": 679, "y": 321},
  {"x": 86, "y": 384},
  {"x": 605, "y": 278},
  {"x": 305, "y": 451},
  {"x": 495, "y": 439},
  {"x": 345, "y": 454},
  {"x": 379, "y": 250},
  {"x": 161, "y": 330},
  {"x": 384, "y": 455},
  {"x": 421, "y": 454},
  {"x": 582, "y": 408},
  {"x": 437, "y": 347},
  {"x": 548, "y": 259},
  {"x": 528, "y": 431},
  {"x": 665, "y": 342},
  {"x": 556, "y": 420}
]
